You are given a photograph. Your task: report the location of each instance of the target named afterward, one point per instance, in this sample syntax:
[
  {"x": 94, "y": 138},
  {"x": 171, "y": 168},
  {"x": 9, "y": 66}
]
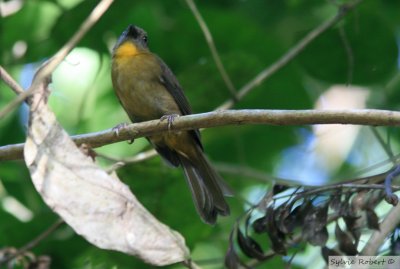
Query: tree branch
[{"x": 228, "y": 117}]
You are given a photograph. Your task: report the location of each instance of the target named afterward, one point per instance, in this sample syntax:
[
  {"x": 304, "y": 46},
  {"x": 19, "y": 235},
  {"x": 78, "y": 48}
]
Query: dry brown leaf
[{"x": 96, "y": 205}]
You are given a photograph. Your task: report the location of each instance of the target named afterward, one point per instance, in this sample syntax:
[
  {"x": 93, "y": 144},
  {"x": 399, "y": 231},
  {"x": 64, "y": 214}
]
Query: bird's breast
[{"x": 136, "y": 81}]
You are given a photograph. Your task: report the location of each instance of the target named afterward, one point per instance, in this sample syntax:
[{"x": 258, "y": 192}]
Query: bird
[{"x": 147, "y": 90}]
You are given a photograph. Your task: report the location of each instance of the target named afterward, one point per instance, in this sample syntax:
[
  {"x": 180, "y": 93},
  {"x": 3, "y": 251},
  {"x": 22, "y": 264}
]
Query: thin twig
[
  {"x": 395, "y": 160},
  {"x": 190, "y": 264},
  {"x": 338, "y": 186},
  {"x": 7, "y": 78},
  {"x": 15, "y": 102},
  {"x": 34, "y": 242},
  {"x": 48, "y": 67},
  {"x": 310, "y": 190},
  {"x": 213, "y": 49},
  {"x": 248, "y": 172},
  {"x": 368, "y": 182},
  {"x": 114, "y": 167},
  {"x": 22, "y": 95},
  {"x": 141, "y": 156},
  {"x": 228, "y": 117},
  {"x": 121, "y": 162},
  {"x": 292, "y": 53},
  {"x": 349, "y": 54},
  {"x": 383, "y": 144}
]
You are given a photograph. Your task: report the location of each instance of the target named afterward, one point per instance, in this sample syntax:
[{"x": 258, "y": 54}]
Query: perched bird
[{"x": 148, "y": 90}]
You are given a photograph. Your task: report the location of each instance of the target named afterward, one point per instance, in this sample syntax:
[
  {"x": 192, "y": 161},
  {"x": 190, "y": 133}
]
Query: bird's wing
[{"x": 170, "y": 82}]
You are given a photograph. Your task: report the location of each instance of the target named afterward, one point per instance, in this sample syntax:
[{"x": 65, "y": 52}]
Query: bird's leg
[
  {"x": 119, "y": 127},
  {"x": 170, "y": 119}
]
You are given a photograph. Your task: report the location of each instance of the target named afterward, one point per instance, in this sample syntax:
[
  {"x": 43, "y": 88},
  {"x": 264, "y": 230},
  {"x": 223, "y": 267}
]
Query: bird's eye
[{"x": 144, "y": 38}]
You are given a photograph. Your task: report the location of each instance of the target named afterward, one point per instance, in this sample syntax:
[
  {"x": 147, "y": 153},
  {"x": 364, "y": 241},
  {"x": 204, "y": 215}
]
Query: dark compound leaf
[
  {"x": 315, "y": 222},
  {"x": 295, "y": 219},
  {"x": 359, "y": 200},
  {"x": 281, "y": 214},
  {"x": 375, "y": 197},
  {"x": 319, "y": 238},
  {"x": 326, "y": 252},
  {"x": 260, "y": 225},
  {"x": 350, "y": 221},
  {"x": 321, "y": 217},
  {"x": 41, "y": 262},
  {"x": 278, "y": 188},
  {"x": 232, "y": 260},
  {"x": 302, "y": 210},
  {"x": 372, "y": 219},
  {"x": 346, "y": 209},
  {"x": 345, "y": 240},
  {"x": 335, "y": 203},
  {"x": 353, "y": 225},
  {"x": 347, "y": 197},
  {"x": 249, "y": 246},
  {"x": 277, "y": 237}
]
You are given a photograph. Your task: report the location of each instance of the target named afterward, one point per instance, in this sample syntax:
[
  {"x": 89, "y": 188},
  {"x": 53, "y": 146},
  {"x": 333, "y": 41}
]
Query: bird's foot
[
  {"x": 170, "y": 119},
  {"x": 120, "y": 127}
]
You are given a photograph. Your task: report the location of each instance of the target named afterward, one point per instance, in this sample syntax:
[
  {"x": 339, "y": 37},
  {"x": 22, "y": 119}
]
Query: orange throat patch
[{"x": 127, "y": 49}]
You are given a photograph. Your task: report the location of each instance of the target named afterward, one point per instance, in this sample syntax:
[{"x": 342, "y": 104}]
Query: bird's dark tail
[{"x": 205, "y": 185}]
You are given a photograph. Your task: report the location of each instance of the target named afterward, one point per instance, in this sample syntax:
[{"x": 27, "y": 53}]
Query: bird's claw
[
  {"x": 170, "y": 119},
  {"x": 119, "y": 127}
]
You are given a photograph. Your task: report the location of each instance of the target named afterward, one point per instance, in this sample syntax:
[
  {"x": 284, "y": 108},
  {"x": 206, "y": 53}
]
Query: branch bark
[{"x": 373, "y": 117}]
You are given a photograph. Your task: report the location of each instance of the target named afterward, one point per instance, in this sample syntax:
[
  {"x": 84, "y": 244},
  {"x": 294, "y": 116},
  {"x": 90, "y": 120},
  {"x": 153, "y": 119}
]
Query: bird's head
[{"x": 131, "y": 42}]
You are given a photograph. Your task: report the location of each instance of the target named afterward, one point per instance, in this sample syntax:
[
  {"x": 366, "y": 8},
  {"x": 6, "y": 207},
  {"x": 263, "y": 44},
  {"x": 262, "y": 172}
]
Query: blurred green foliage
[{"x": 250, "y": 35}]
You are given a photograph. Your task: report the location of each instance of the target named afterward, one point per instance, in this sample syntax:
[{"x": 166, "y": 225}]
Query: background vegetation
[{"x": 360, "y": 50}]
